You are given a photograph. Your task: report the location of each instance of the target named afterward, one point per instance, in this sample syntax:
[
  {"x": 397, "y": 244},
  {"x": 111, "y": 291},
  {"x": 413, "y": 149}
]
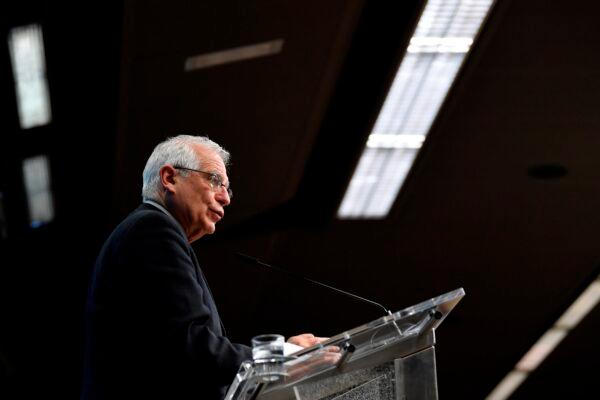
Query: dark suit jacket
[{"x": 152, "y": 327}]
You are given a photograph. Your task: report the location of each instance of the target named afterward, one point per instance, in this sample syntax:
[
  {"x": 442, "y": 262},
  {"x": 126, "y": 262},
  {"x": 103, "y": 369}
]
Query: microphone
[{"x": 256, "y": 261}]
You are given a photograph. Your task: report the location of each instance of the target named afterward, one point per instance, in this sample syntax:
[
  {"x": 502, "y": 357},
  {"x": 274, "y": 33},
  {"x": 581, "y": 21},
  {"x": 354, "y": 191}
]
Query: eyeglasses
[{"x": 215, "y": 180}]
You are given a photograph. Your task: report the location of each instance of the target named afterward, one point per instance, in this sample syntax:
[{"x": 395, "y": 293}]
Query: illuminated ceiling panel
[
  {"x": 437, "y": 49},
  {"x": 36, "y": 175},
  {"x": 28, "y": 62}
]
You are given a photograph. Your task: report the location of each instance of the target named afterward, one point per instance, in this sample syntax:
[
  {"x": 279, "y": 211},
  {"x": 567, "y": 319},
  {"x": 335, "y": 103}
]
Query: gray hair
[{"x": 178, "y": 151}]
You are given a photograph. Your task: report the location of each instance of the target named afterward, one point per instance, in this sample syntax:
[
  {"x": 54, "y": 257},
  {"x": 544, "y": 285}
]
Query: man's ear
[{"x": 168, "y": 178}]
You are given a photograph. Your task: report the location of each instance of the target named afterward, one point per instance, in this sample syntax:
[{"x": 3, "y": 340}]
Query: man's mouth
[{"x": 220, "y": 214}]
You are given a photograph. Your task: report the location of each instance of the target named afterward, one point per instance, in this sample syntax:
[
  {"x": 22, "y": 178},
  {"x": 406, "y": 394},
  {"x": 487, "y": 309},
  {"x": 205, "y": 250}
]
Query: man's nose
[{"x": 222, "y": 196}]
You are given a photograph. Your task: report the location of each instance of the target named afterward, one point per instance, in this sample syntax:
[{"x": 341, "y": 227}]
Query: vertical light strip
[
  {"x": 26, "y": 47},
  {"x": 36, "y": 174},
  {"x": 548, "y": 342},
  {"x": 440, "y": 43}
]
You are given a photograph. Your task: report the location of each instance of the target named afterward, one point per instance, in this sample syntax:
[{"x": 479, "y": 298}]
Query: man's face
[{"x": 196, "y": 204}]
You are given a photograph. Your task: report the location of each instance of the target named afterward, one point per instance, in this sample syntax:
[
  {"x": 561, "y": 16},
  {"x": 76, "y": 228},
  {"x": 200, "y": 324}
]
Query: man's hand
[
  {"x": 323, "y": 358},
  {"x": 306, "y": 340}
]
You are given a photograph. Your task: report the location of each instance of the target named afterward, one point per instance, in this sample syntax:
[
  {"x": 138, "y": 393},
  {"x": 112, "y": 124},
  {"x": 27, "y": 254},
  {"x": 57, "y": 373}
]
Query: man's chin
[
  {"x": 207, "y": 230},
  {"x": 210, "y": 229}
]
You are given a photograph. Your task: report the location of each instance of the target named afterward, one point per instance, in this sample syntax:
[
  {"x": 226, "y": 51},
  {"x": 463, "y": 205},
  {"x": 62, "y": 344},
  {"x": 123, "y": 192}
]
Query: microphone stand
[{"x": 254, "y": 260}]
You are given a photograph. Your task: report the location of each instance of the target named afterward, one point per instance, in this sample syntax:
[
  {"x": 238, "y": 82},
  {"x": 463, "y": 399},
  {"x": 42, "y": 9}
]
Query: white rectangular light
[
  {"x": 36, "y": 175},
  {"x": 549, "y": 341},
  {"x": 407, "y": 141},
  {"x": 233, "y": 55},
  {"x": 541, "y": 349},
  {"x": 440, "y": 44},
  {"x": 26, "y": 47},
  {"x": 442, "y": 38},
  {"x": 580, "y": 307},
  {"x": 507, "y": 386},
  {"x": 372, "y": 192}
]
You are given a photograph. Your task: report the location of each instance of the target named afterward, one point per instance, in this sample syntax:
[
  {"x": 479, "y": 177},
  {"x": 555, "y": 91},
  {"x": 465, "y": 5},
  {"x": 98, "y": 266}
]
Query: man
[{"x": 153, "y": 330}]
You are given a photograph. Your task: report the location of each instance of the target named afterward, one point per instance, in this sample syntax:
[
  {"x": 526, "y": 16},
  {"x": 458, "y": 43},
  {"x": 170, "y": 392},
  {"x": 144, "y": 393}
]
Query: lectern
[{"x": 391, "y": 358}]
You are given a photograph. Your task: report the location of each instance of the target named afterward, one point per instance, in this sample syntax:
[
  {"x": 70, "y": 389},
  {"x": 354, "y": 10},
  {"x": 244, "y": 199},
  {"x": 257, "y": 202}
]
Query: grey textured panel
[
  {"x": 380, "y": 388},
  {"x": 369, "y": 383}
]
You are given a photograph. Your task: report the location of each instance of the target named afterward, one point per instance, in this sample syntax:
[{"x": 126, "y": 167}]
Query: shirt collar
[
  {"x": 164, "y": 210},
  {"x": 159, "y": 206}
]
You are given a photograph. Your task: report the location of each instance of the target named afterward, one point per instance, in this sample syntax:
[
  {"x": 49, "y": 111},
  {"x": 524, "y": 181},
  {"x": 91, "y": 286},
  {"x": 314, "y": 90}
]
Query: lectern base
[{"x": 406, "y": 378}]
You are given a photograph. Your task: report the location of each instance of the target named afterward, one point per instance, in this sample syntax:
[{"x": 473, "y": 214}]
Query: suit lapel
[{"x": 204, "y": 283}]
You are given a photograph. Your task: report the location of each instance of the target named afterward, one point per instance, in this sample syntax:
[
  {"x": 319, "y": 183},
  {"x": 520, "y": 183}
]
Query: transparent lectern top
[{"x": 400, "y": 333}]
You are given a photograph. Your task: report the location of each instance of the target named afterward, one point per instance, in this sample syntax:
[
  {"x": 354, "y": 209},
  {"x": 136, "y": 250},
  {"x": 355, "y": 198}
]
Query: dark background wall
[{"x": 470, "y": 214}]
